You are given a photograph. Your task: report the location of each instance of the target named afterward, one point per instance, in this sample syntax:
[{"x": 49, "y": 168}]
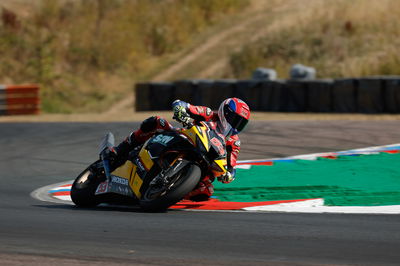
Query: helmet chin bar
[
  {"x": 224, "y": 130},
  {"x": 222, "y": 123}
]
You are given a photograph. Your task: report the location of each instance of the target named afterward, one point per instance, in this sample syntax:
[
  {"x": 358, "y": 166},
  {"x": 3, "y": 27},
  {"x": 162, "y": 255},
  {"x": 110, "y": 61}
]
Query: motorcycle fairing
[
  {"x": 145, "y": 159},
  {"x": 203, "y": 138},
  {"x": 136, "y": 171},
  {"x": 119, "y": 181},
  {"x": 144, "y": 164},
  {"x": 124, "y": 180},
  {"x": 149, "y": 155},
  {"x": 135, "y": 183},
  {"x": 198, "y": 134},
  {"x": 124, "y": 171}
]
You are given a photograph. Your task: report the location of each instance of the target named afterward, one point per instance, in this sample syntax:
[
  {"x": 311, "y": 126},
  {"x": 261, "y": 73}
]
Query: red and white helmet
[{"x": 234, "y": 114}]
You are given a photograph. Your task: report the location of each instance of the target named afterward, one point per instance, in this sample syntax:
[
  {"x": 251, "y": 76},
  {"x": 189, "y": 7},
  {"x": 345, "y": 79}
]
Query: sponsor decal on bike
[
  {"x": 119, "y": 180},
  {"x": 237, "y": 143},
  {"x": 162, "y": 139}
]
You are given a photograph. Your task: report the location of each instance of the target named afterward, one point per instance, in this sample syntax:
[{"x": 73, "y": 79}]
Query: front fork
[{"x": 165, "y": 177}]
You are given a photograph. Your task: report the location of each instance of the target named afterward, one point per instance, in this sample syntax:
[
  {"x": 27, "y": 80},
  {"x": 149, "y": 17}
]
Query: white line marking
[
  {"x": 314, "y": 156},
  {"x": 390, "y": 209},
  {"x": 42, "y": 193},
  {"x": 66, "y": 198}
]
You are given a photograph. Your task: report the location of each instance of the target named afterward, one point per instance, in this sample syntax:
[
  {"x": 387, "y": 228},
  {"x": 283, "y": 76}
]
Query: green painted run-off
[{"x": 363, "y": 180}]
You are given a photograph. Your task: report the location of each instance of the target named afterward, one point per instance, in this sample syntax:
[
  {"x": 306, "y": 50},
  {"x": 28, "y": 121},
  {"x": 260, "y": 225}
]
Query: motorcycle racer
[{"x": 230, "y": 119}]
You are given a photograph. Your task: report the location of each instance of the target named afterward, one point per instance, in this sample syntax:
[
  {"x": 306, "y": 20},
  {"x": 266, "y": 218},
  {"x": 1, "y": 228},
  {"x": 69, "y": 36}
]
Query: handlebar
[{"x": 186, "y": 125}]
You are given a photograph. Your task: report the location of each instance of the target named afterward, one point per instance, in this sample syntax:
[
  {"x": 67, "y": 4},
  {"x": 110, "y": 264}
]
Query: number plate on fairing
[
  {"x": 119, "y": 182},
  {"x": 116, "y": 185}
]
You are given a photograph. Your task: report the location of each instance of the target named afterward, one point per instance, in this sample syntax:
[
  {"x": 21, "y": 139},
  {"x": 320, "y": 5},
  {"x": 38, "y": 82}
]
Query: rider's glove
[
  {"x": 226, "y": 178},
  {"x": 180, "y": 114}
]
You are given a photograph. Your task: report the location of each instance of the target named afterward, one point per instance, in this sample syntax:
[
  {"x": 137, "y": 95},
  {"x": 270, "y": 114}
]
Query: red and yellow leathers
[{"x": 156, "y": 124}]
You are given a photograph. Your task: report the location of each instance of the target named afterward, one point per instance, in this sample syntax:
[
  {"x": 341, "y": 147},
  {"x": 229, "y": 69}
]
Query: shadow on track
[{"x": 102, "y": 208}]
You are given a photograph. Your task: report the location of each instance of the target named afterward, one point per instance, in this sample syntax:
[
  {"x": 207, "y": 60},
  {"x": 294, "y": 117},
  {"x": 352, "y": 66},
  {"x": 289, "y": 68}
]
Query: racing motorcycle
[{"x": 157, "y": 174}]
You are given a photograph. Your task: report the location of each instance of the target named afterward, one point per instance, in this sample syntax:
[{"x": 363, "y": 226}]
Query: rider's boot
[
  {"x": 121, "y": 152},
  {"x": 202, "y": 192}
]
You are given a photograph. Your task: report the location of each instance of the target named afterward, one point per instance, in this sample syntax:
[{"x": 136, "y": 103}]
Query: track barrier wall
[
  {"x": 19, "y": 99},
  {"x": 362, "y": 95}
]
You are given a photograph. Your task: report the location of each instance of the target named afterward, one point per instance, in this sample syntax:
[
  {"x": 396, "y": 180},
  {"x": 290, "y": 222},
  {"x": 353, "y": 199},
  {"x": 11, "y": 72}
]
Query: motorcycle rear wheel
[
  {"x": 191, "y": 175},
  {"x": 83, "y": 189}
]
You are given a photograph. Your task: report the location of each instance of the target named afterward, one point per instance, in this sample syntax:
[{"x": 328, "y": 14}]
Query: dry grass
[
  {"x": 340, "y": 38},
  {"x": 87, "y": 54}
]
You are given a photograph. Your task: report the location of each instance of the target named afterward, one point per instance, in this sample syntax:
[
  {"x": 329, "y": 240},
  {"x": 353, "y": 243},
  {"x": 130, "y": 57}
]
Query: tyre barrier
[
  {"x": 361, "y": 95},
  {"x": 299, "y": 71},
  {"x": 19, "y": 99},
  {"x": 264, "y": 74}
]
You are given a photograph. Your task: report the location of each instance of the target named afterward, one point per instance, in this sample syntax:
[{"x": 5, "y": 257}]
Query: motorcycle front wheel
[
  {"x": 188, "y": 178},
  {"x": 84, "y": 187}
]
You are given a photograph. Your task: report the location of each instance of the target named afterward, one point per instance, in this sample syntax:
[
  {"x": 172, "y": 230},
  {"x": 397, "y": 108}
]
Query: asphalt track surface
[{"x": 43, "y": 233}]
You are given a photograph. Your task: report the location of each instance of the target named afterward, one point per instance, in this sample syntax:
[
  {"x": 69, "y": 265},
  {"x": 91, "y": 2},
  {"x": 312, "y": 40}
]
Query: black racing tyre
[
  {"x": 190, "y": 177},
  {"x": 84, "y": 187}
]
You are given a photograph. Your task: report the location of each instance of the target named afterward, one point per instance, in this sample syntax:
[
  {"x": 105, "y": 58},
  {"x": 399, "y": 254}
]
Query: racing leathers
[{"x": 182, "y": 112}]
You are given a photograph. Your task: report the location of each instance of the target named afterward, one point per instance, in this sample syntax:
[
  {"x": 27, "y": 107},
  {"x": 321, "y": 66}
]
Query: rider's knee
[
  {"x": 153, "y": 123},
  {"x": 150, "y": 124}
]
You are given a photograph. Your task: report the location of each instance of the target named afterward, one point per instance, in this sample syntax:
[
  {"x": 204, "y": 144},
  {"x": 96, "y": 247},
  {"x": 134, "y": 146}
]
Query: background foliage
[
  {"x": 339, "y": 38},
  {"x": 85, "y": 53}
]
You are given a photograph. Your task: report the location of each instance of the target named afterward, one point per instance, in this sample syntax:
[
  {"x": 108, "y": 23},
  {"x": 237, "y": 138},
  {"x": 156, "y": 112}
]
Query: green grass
[{"x": 364, "y": 180}]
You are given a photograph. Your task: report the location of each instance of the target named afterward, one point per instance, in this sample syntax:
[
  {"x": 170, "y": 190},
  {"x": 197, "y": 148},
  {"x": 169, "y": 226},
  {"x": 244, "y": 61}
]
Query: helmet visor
[{"x": 237, "y": 122}]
